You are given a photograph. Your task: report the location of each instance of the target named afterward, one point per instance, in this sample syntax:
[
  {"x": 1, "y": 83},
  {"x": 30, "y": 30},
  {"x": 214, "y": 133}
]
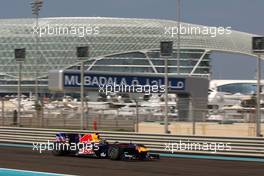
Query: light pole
[
  {"x": 3, "y": 110},
  {"x": 82, "y": 54},
  {"x": 166, "y": 50},
  {"x": 258, "y": 115},
  {"x": 20, "y": 55},
  {"x": 36, "y": 5},
  {"x": 87, "y": 111},
  {"x": 134, "y": 96},
  {"x": 178, "y": 35},
  {"x": 137, "y": 116},
  {"x": 258, "y": 49},
  {"x": 136, "y": 100}
]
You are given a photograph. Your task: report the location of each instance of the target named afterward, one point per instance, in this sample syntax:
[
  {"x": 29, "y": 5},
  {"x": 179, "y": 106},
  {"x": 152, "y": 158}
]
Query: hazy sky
[{"x": 242, "y": 15}]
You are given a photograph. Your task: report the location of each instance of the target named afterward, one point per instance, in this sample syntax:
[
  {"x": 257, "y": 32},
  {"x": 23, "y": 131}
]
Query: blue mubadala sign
[{"x": 91, "y": 80}]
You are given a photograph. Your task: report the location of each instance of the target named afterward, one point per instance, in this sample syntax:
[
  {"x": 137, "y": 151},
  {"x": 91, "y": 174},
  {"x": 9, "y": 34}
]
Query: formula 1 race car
[{"x": 92, "y": 145}]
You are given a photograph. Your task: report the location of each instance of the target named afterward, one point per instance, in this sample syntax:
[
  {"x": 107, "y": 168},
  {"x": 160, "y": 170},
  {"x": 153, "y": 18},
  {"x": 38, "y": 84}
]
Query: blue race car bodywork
[{"x": 92, "y": 145}]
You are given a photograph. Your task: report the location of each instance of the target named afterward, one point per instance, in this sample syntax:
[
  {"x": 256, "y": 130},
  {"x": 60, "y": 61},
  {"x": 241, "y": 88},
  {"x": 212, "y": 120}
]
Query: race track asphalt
[{"x": 26, "y": 159}]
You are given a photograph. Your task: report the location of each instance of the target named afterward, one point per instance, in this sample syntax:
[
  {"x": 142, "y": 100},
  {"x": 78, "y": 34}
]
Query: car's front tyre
[{"x": 114, "y": 152}]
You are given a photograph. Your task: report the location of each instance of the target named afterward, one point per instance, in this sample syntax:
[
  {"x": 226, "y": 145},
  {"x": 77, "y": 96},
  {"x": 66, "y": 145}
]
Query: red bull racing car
[{"x": 92, "y": 145}]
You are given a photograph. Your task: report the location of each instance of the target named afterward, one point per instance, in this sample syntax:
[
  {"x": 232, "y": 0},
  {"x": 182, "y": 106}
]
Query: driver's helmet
[{"x": 96, "y": 137}]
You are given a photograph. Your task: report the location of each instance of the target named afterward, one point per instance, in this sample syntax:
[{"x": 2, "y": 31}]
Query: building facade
[{"x": 115, "y": 44}]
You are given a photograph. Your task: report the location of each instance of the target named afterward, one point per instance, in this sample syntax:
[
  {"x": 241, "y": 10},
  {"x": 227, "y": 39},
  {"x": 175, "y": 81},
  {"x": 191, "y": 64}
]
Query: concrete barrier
[{"x": 235, "y": 146}]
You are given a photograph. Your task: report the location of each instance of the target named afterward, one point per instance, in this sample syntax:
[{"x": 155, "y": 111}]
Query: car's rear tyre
[
  {"x": 98, "y": 154},
  {"x": 57, "y": 150},
  {"x": 154, "y": 156},
  {"x": 114, "y": 153}
]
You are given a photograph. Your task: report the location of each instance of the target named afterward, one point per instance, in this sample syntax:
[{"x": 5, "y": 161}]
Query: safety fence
[
  {"x": 70, "y": 119},
  {"x": 209, "y": 145},
  {"x": 184, "y": 118}
]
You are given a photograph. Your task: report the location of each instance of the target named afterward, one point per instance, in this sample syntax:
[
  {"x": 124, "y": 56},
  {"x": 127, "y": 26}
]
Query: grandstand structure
[{"x": 117, "y": 45}]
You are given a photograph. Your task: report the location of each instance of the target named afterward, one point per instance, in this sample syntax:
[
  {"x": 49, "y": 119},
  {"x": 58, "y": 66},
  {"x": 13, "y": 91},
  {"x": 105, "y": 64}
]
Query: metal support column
[
  {"x": 82, "y": 95},
  {"x": 19, "y": 94},
  {"x": 178, "y": 36},
  {"x": 3, "y": 111},
  {"x": 166, "y": 50},
  {"x": 137, "y": 116},
  {"x": 258, "y": 114},
  {"x": 166, "y": 125}
]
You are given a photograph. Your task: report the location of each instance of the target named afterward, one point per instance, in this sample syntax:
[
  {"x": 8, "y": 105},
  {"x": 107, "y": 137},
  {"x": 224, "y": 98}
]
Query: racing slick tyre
[
  {"x": 154, "y": 156},
  {"x": 57, "y": 150},
  {"x": 98, "y": 154},
  {"x": 114, "y": 153}
]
